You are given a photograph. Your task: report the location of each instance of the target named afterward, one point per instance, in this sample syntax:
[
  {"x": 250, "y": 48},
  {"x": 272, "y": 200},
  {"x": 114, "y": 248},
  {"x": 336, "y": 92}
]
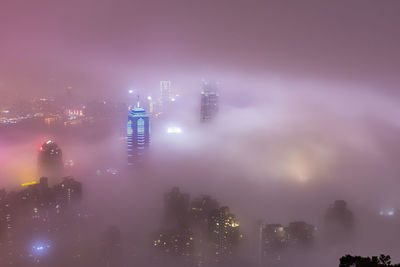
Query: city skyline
[{"x": 199, "y": 133}]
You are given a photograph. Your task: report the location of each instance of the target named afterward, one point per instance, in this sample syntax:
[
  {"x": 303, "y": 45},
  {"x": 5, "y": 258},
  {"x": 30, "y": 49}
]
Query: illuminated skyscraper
[
  {"x": 165, "y": 91},
  {"x": 165, "y": 95},
  {"x": 150, "y": 105},
  {"x": 138, "y": 134},
  {"x": 209, "y": 101},
  {"x": 50, "y": 160},
  {"x": 225, "y": 235}
]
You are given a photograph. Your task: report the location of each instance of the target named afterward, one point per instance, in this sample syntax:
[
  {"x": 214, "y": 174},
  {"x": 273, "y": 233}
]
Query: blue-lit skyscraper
[{"x": 138, "y": 134}]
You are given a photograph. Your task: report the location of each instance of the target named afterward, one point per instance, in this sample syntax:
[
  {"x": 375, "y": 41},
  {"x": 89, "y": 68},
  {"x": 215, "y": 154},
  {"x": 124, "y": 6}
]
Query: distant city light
[
  {"x": 112, "y": 171},
  {"x": 130, "y": 91},
  {"x": 28, "y": 183},
  {"x": 388, "y": 212},
  {"x": 69, "y": 163},
  {"x": 149, "y": 97},
  {"x": 40, "y": 248},
  {"x": 174, "y": 130}
]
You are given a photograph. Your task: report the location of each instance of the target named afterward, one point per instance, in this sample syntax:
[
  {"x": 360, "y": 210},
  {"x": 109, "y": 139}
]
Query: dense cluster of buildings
[
  {"x": 193, "y": 232},
  {"x": 60, "y": 111},
  {"x": 198, "y": 232},
  {"x": 35, "y": 219},
  {"x": 276, "y": 241},
  {"x": 44, "y": 225}
]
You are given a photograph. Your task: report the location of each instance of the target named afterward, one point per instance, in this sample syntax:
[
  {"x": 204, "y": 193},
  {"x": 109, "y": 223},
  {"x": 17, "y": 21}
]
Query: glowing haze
[{"x": 309, "y": 101}]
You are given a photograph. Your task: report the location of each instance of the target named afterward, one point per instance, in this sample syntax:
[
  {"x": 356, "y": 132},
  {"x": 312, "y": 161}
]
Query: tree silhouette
[{"x": 358, "y": 261}]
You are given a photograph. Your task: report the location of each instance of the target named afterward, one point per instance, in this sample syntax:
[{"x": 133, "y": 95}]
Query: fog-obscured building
[
  {"x": 165, "y": 92},
  {"x": 199, "y": 232},
  {"x": 50, "y": 161},
  {"x": 278, "y": 244},
  {"x": 339, "y": 222},
  {"x": 37, "y": 220},
  {"x": 209, "y": 101},
  {"x": 176, "y": 208}
]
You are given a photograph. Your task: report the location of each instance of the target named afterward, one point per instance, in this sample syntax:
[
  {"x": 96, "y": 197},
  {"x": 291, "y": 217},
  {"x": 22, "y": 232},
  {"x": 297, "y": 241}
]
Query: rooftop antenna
[{"x": 138, "y": 99}]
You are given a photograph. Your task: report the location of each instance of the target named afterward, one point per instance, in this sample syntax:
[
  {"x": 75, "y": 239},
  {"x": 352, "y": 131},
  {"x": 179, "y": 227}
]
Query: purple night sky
[{"x": 104, "y": 46}]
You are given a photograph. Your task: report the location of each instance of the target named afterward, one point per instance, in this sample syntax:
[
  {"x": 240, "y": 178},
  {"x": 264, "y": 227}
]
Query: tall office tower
[
  {"x": 300, "y": 234},
  {"x": 68, "y": 191},
  {"x": 138, "y": 134},
  {"x": 225, "y": 235},
  {"x": 150, "y": 105},
  {"x": 50, "y": 163},
  {"x": 175, "y": 239},
  {"x": 201, "y": 210},
  {"x": 339, "y": 222},
  {"x": 209, "y": 101},
  {"x": 7, "y": 217},
  {"x": 111, "y": 247},
  {"x": 165, "y": 92},
  {"x": 176, "y": 205},
  {"x": 273, "y": 241}
]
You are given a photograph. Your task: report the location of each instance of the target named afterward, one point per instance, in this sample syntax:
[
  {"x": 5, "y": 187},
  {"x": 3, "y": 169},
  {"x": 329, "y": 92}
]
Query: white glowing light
[
  {"x": 130, "y": 91},
  {"x": 149, "y": 97},
  {"x": 174, "y": 130},
  {"x": 40, "y": 248},
  {"x": 112, "y": 171},
  {"x": 387, "y": 212}
]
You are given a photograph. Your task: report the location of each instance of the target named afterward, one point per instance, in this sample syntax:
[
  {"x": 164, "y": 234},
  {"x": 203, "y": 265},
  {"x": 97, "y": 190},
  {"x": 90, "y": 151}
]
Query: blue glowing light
[
  {"x": 387, "y": 212},
  {"x": 40, "y": 248}
]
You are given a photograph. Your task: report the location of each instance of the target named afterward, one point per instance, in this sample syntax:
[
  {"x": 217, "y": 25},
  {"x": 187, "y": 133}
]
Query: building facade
[
  {"x": 209, "y": 101},
  {"x": 138, "y": 135},
  {"x": 50, "y": 161},
  {"x": 165, "y": 92}
]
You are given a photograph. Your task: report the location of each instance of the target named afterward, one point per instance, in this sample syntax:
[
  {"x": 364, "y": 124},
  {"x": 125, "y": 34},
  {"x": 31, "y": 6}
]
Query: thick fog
[
  {"x": 282, "y": 154},
  {"x": 308, "y": 113}
]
